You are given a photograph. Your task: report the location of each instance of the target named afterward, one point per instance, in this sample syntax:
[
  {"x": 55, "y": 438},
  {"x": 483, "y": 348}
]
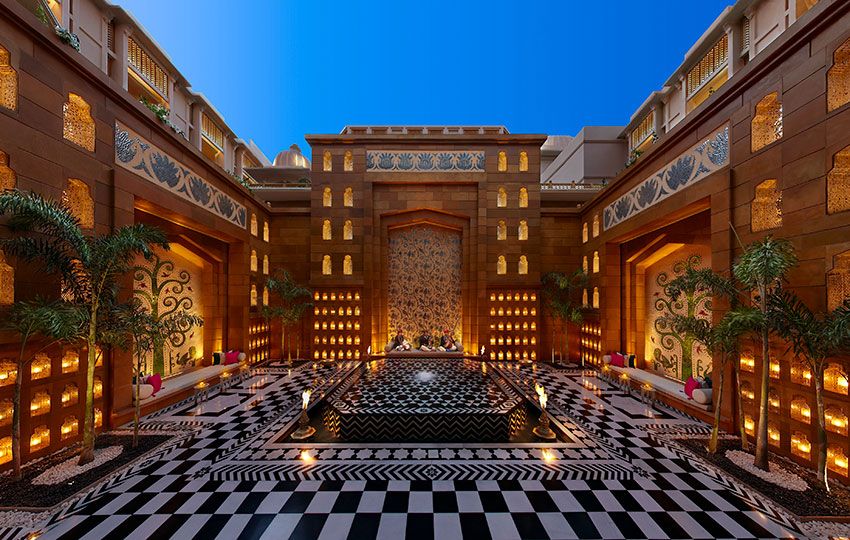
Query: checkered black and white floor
[{"x": 230, "y": 473}]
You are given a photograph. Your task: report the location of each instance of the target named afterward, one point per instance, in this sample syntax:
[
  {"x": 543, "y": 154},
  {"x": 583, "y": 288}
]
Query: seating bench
[
  {"x": 175, "y": 389},
  {"x": 661, "y": 385},
  {"x": 423, "y": 354},
  {"x": 189, "y": 379}
]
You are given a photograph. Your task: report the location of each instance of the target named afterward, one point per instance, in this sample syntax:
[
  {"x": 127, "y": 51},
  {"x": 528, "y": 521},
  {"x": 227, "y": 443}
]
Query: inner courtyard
[{"x": 421, "y": 331}]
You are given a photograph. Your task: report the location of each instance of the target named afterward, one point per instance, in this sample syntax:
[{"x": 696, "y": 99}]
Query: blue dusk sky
[{"x": 280, "y": 69}]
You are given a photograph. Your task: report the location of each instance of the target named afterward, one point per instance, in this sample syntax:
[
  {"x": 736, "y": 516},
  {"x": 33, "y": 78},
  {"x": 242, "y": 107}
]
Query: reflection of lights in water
[
  {"x": 425, "y": 376},
  {"x": 547, "y": 455},
  {"x": 306, "y": 457}
]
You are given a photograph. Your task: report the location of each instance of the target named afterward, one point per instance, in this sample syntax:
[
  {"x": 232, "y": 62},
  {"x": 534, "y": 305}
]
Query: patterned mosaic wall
[
  {"x": 676, "y": 356},
  {"x": 446, "y": 161},
  {"x": 424, "y": 265},
  {"x": 137, "y": 155},
  {"x": 166, "y": 284},
  {"x": 698, "y": 162}
]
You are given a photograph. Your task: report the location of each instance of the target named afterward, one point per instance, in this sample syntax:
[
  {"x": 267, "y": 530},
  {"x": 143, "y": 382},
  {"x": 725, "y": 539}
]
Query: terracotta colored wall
[{"x": 795, "y": 66}]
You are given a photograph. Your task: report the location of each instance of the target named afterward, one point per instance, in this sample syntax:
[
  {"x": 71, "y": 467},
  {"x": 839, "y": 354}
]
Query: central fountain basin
[{"x": 424, "y": 400}]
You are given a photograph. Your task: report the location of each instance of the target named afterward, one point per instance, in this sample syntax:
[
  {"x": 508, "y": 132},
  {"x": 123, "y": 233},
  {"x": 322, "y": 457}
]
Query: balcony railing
[
  {"x": 143, "y": 64},
  {"x": 571, "y": 186},
  {"x": 710, "y": 64}
]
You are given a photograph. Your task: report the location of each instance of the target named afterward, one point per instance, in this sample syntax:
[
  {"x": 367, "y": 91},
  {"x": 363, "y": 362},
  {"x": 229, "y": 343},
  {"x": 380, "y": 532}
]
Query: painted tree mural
[
  {"x": 164, "y": 291},
  {"x": 679, "y": 354}
]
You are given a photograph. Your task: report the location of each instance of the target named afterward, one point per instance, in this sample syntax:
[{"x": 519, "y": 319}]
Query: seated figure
[
  {"x": 426, "y": 342},
  {"x": 448, "y": 343},
  {"x": 398, "y": 343}
]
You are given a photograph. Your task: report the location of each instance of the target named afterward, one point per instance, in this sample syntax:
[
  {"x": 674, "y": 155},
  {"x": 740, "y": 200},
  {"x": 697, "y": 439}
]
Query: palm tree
[
  {"x": 560, "y": 291},
  {"x": 721, "y": 339},
  {"x": 813, "y": 338},
  {"x": 146, "y": 332},
  {"x": 294, "y": 300},
  {"x": 90, "y": 268},
  {"x": 54, "y": 322},
  {"x": 761, "y": 269}
]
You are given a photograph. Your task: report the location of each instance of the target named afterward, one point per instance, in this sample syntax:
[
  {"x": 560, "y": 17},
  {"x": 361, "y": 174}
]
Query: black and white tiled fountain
[
  {"x": 424, "y": 400},
  {"x": 230, "y": 473}
]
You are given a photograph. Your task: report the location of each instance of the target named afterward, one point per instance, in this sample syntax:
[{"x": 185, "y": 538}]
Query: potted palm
[
  {"x": 761, "y": 269},
  {"x": 293, "y": 302},
  {"x": 90, "y": 268},
  {"x": 812, "y": 338},
  {"x": 560, "y": 291},
  {"x": 53, "y": 322}
]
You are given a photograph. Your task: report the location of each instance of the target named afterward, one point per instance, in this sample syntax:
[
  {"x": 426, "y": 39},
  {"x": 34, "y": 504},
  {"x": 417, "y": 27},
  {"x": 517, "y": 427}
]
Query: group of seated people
[{"x": 426, "y": 342}]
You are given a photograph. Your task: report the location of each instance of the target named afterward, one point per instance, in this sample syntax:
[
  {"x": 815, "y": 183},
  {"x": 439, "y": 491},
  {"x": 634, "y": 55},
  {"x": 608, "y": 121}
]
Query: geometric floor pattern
[{"x": 229, "y": 473}]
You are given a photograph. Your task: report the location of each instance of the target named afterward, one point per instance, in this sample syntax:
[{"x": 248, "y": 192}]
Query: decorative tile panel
[
  {"x": 424, "y": 271},
  {"x": 445, "y": 161},
  {"x": 137, "y": 155},
  {"x": 699, "y": 161}
]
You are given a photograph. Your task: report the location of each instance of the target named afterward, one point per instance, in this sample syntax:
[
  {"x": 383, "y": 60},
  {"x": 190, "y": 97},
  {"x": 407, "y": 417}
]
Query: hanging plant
[{"x": 68, "y": 37}]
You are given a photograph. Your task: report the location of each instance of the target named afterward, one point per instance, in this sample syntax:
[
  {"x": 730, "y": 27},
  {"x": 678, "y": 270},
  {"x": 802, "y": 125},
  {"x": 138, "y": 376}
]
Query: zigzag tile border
[{"x": 422, "y": 471}]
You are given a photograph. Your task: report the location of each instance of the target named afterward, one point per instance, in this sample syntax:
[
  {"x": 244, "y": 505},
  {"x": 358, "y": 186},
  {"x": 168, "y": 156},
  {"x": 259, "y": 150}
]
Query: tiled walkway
[{"x": 229, "y": 473}]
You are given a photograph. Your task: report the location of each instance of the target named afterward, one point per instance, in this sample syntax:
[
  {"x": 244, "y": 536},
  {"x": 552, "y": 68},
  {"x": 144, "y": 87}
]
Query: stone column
[
  {"x": 658, "y": 119},
  {"x": 734, "y": 38},
  {"x": 119, "y": 73},
  {"x": 195, "y": 129},
  {"x": 237, "y": 158}
]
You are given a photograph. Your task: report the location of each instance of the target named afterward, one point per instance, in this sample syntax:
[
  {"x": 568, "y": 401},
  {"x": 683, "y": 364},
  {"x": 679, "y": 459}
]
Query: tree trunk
[
  {"x": 137, "y": 408},
  {"x": 16, "y": 422},
  {"x": 87, "y": 452},
  {"x": 760, "y": 460},
  {"x": 718, "y": 401},
  {"x": 566, "y": 343},
  {"x": 737, "y": 405},
  {"x": 822, "y": 442}
]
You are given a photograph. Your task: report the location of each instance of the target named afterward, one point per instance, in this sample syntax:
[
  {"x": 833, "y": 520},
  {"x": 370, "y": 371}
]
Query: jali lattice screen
[{"x": 424, "y": 265}]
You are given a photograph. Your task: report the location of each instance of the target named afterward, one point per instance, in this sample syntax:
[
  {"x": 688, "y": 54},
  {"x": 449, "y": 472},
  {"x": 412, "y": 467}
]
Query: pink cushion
[
  {"x": 155, "y": 381},
  {"x": 691, "y": 385},
  {"x": 231, "y": 357},
  {"x": 618, "y": 360}
]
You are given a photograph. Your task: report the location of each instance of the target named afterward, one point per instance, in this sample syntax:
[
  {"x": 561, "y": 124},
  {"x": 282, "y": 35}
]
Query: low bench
[
  {"x": 424, "y": 354},
  {"x": 179, "y": 387},
  {"x": 668, "y": 391}
]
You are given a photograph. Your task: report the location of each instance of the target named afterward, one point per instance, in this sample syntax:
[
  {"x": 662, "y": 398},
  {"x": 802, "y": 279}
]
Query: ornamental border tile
[
  {"x": 425, "y": 162},
  {"x": 137, "y": 155},
  {"x": 693, "y": 165}
]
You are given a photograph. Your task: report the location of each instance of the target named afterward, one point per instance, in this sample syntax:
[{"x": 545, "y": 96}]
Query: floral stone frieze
[
  {"x": 701, "y": 160},
  {"x": 441, "y": 161},
  {"x": 137, "y": 155}
]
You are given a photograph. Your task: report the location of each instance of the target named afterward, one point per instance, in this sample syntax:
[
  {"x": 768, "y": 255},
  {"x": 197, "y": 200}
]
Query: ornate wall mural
[
  {"x": 168, "y": 283},
  {"x": 692, "y": 166},
  {"x": 424, "y": 265},
  {"x": 134, "y": 153},
  {"x": 676, "y": 355},
  {"x": 446, "y": 161}
]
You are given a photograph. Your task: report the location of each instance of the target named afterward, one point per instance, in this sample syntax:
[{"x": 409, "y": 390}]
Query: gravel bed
[
  {"x": 68, "y": 469},
  {"x": 776, "y": 475},
  {"x": 26, "y": 494},
  {"x": 815, "y": 501}
]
